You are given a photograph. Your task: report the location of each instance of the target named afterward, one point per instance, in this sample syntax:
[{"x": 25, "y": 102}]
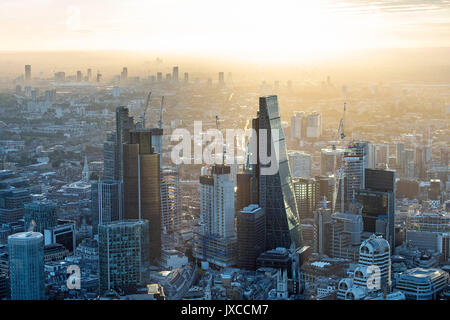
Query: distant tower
[
  {"x": 124, "y": 74},
  {"x": 175, "y": 74},
  {"x": 221, "y": 79},
  {"x": 27, "y": 72},
  {"x": 85, "y": 173},
  {"x": 26, "y": 266}
]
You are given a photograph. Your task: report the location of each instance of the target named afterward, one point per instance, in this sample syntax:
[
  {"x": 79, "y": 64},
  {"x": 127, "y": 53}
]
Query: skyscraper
[
  {"x": 276, "y": 192},
  {"x": 106, "y": 202},
  {"x": 123, "y": 255},
  {"x": 356, "y": 161},
  {"x": 305, "y": 194},
  {"x": 170, "y": 200},
  {"x": 298, "y": 125},
  {"x": 216, "y": 242},
  {"x": 175, "y": 74},
  {"x": 110, "y": 171},
  {"x": 27, "y": 72},
  {"x": 124, "y": 74},
  {"x": 124, "y": 123},
  {"x": 26, "y": 266},
  {"x": 314, "y": 125},
  {"x": 141, "y": 185},
  {"x": 378, "y": 201}
]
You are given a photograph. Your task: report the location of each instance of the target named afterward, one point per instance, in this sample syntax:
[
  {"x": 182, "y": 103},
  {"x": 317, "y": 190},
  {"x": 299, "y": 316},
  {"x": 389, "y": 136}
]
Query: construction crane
[
  {"x": 339, "y": 172},
  {"x": 144, "y": 114},
  {"x": 160, "y": 121}
]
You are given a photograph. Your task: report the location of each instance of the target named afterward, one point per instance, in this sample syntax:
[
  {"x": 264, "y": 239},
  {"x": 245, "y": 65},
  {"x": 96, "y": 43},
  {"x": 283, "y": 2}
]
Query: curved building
[{"x": 375, "y": 253}]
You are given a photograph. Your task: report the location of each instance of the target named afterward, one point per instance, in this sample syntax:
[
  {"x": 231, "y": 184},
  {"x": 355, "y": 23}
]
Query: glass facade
[
  {"x": 276, "y": 192},
  {"x": 26, "y": 266}
]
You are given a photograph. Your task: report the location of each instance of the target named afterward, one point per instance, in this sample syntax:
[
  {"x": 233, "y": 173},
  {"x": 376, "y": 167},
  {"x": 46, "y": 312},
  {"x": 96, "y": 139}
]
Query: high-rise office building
[
  {"x": 124, "y": 123},
  {"x": 110, "y": 171},
  {"x": 322, "y": 221},
  {"x": 26, "y": 266},
  {"x": 221, "y": 79},
  {"x": 79, "y": 76},
  {"x": 141, "y": 185},
  {"x": 170, "y": 200},
  {"x": 175, "y": 74},
  {"x": 106, "y": 202},
  {"x": 300, "y": 164},
  {"x": 186, "y": 77},
  {"x": 378, "y": 201},
  {"x": 89, "y": 74},
  {"x": 159, "y": 76},
  {"x": 123, "y": 255},
  {"x": 40, "y": 215},
  {"x": 216, "y": 242},
  {"x": 276, "y": 192},
  {"x": 305, "y": 195},
  {"x": 124, "y": 74},
  {"x": 330, "y": 160},
  {"x": 356, "y": 161},
  {"x": 12, "y": 204},
  {"x": 314, "y": 125},
  {"x": 251, "y": 232},
  {"x": 298, "y": 125},
  {"x": 27, "y": 72}
]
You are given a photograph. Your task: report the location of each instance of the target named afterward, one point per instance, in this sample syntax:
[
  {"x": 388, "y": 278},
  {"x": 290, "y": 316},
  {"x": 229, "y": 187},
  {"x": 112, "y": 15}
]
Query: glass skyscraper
[
  {"x": 26, "y": 266},
  {"x": 276, "y": 192}
]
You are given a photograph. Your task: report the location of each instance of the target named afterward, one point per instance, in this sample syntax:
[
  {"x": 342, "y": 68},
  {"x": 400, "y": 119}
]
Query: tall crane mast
[
  {"x": 144, "y": 114},
  {"x": 160, "y": 121}
]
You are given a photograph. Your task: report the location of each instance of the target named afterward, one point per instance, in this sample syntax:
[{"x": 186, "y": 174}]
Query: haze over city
[{"x": 118, "y": 180}]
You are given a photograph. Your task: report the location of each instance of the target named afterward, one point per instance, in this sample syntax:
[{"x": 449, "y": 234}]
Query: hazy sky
[{"x": 262, "y": 29}]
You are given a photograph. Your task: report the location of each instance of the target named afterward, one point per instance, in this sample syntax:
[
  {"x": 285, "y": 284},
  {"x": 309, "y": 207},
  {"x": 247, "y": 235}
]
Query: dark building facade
[
  {"x": 378, "y": 201},
  {"x": 251, "y": 231},
  {"x": 141, "y": 185}
]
